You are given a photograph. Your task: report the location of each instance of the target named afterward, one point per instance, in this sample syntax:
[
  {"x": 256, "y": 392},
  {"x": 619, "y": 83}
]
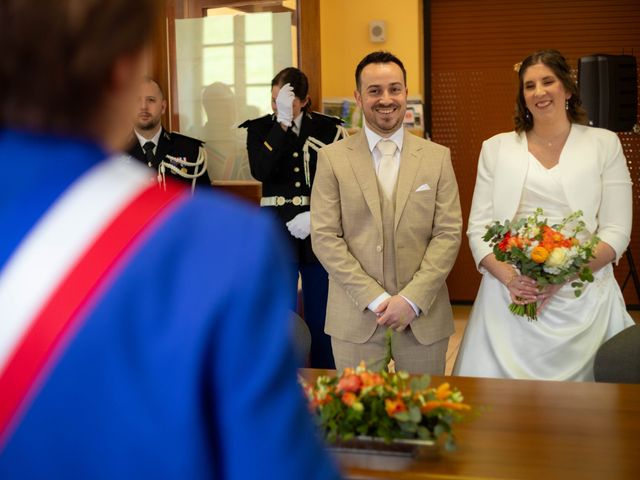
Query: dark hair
[
  {"x": 58, "y": 56},
  {"x": 297, "y": 79},
  {"x": 379, "y": 57},
  {"x": 556, "y": 62}
]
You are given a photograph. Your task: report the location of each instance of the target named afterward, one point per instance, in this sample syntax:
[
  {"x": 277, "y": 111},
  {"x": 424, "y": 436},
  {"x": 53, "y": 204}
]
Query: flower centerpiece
[
  {"x": 551, "y": 255},
  {"x": 388, "y": 406}
]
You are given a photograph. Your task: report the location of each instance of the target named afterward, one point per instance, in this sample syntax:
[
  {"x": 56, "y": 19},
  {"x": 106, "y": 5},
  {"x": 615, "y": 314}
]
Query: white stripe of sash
[{"x": 57, "y": 241}]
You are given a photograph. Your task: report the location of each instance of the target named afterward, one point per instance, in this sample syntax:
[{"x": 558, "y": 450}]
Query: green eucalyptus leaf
[{"x": 414, "y": 414}]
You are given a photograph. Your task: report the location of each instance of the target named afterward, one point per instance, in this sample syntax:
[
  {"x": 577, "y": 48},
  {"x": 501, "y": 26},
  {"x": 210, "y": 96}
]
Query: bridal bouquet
[
  {"x": 389, "y": 406},
  {"x": 551, "y": 255}
]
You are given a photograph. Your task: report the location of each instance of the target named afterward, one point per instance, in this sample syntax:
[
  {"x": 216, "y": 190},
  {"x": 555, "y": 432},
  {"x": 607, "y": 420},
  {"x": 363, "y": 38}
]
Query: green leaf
[
  {"x": 402, "y": 416},
  {"x": 424, "y": 433},
  {"x": 439, "y": 430},
  {"x": 408, "y": 427},
  {"x": 414, "y": 414},
  {"x": 421, "y": 383},
  {"x": 450, "y": 444},
  {"x": 586, "y": 275}
]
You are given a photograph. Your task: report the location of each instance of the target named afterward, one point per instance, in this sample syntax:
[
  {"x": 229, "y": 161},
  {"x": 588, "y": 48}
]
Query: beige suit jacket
[{"x": 346, "y": 235}]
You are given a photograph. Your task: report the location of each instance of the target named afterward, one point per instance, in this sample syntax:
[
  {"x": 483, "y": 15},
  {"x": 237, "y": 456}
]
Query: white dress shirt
[{"x": 155, "y": 139}]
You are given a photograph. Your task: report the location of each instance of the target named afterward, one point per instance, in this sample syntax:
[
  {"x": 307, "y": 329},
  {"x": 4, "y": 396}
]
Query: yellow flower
[{"x": 557, "y": 257}]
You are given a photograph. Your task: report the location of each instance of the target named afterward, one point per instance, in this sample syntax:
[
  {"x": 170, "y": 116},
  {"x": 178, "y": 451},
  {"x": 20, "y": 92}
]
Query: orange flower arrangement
[
  {"x": 543, "y": 253},
  {"x": 390, "y": 406}
]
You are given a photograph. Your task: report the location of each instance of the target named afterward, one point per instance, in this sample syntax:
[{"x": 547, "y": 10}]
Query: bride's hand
[
  {"x": 522, "y": 289},
  {"x": 545, "y": 295}
]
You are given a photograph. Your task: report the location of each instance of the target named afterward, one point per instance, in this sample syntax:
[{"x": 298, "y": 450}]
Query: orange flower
[
  {"x": 349, "y": 383},
  {"x": 430, "y": 405},
  {"x": 394, "y": 406},
  {"x": 456, "y": 406},
  {"x": 371, "y": 379},
  {"x": 539, "y": 254},
  {"x": 348, "y": 398},
  {"x": 515, "y": 242},
  {"x": 443, "y": 391},
  {"x": 433, "y": 404}
]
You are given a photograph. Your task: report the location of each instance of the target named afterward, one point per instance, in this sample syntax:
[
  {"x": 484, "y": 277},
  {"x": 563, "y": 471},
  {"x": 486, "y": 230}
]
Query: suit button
[
  {"x": 295, "y": 154},
  {"x": 379, "y": 248},
  {"x": 297, "y": 184},
  {"x": 296, "y": 169}
]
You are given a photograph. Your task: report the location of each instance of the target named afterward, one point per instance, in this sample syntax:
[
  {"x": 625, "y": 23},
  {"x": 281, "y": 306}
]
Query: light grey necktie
[{"x": 387, "y": 170}]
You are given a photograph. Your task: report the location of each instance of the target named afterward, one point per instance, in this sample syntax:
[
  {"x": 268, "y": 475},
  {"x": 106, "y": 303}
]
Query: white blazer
[{"x": 595, "y": 179}]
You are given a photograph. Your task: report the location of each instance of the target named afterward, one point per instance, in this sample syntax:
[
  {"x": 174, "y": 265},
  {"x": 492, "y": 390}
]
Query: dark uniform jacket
[
  {"x": 276, "y": 159},
  {"x": 176, "y": 145}
]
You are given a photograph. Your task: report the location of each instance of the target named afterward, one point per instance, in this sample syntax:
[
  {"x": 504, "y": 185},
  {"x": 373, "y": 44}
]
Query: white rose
[{"x": 557, "y": 257}]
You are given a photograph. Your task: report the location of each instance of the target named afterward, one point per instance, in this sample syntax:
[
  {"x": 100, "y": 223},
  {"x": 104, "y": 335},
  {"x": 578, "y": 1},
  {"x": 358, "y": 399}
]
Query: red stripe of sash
[{"x": 69, "y": 304}]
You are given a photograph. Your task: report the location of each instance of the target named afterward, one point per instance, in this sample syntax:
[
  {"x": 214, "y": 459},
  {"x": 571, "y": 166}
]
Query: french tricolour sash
[{"x": 61, "y": 269}]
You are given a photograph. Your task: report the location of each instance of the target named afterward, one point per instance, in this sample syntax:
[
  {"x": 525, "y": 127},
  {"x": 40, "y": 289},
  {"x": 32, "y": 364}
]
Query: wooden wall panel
[
  {"x": 474, "y": 46},
  {"x": 309, "y": 48}
]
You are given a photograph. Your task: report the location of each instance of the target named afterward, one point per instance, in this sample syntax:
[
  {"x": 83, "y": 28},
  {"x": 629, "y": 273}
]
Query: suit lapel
[
  {"x": 409, "y": 163},
  {"x": 362, "y": 165}
]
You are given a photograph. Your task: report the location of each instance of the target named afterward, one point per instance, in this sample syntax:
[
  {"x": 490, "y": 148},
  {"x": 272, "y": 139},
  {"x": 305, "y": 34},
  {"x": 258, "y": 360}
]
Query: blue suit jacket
[{"x": 184, "y": 368}]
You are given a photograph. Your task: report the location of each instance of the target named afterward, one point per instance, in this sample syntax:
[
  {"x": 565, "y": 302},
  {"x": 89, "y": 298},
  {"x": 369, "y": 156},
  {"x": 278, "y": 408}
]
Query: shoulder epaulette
[
  {"x": 184, "y": 137},
  {"x": 327, "y": 118},
  {"x": 264, "y": 118}
]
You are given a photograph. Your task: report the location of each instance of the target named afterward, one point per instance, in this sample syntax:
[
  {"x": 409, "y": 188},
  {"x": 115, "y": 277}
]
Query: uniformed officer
[
  {"x": 175, "y": 154},
  {"x": 282, "y": 154}
]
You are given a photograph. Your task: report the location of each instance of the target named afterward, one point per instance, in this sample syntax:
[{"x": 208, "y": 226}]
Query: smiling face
[
  {"x": 382, "y": 96},
  {"x": 544, "y": 94}
]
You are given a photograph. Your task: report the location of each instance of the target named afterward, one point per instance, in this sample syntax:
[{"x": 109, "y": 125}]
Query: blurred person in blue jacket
[{"x": 143, "y": 334}]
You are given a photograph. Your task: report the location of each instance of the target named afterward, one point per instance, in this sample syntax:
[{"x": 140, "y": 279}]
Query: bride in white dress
[{"x": 552, "y": 161}]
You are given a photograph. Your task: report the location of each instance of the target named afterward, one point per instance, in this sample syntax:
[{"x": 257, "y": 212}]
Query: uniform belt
[{"x": 300, "y": 200}]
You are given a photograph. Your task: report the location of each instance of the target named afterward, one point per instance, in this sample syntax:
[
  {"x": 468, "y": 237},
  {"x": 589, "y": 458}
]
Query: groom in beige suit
[{"x": 386, "y": 225}]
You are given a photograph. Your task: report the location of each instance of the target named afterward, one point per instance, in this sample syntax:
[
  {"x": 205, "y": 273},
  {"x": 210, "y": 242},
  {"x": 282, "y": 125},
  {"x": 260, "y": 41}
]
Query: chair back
[{"x": 618, "y": 359}]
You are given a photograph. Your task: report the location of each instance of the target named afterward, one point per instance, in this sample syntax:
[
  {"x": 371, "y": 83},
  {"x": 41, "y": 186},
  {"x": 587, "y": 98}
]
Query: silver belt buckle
[
  {"x": 280, "y": 201},
  {"x": 296, "y": 201}
]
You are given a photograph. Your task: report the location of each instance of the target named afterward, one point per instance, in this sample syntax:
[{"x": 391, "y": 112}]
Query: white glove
[
  {"x": 300, "y": 225},
  {"x": 284, "y": 105}
]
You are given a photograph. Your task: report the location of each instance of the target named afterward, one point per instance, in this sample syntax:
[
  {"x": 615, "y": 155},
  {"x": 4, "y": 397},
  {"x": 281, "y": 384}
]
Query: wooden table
[{"x": 530, "y": 430}]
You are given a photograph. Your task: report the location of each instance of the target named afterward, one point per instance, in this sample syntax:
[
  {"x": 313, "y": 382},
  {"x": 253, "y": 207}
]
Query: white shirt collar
[
  {"x": 298, "y": 123},
  {"x": 155, "y": 139},
  {"x": 373, "y": 138}
]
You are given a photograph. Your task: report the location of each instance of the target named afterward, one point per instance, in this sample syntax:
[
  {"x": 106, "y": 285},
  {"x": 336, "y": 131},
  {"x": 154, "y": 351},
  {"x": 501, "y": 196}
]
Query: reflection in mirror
[{"x": 225, "y": 63}]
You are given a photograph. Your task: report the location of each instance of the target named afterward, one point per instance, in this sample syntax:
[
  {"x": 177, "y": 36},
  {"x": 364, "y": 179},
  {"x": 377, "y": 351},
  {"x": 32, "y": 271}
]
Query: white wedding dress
[{"x": 562, "y": 343}]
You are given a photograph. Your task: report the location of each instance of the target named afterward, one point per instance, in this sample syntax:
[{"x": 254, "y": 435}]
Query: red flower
[
  {"x": 505, "y": 242},
  {"x": 394, "y": 406},
  {"x": 349, "y": 383}
]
